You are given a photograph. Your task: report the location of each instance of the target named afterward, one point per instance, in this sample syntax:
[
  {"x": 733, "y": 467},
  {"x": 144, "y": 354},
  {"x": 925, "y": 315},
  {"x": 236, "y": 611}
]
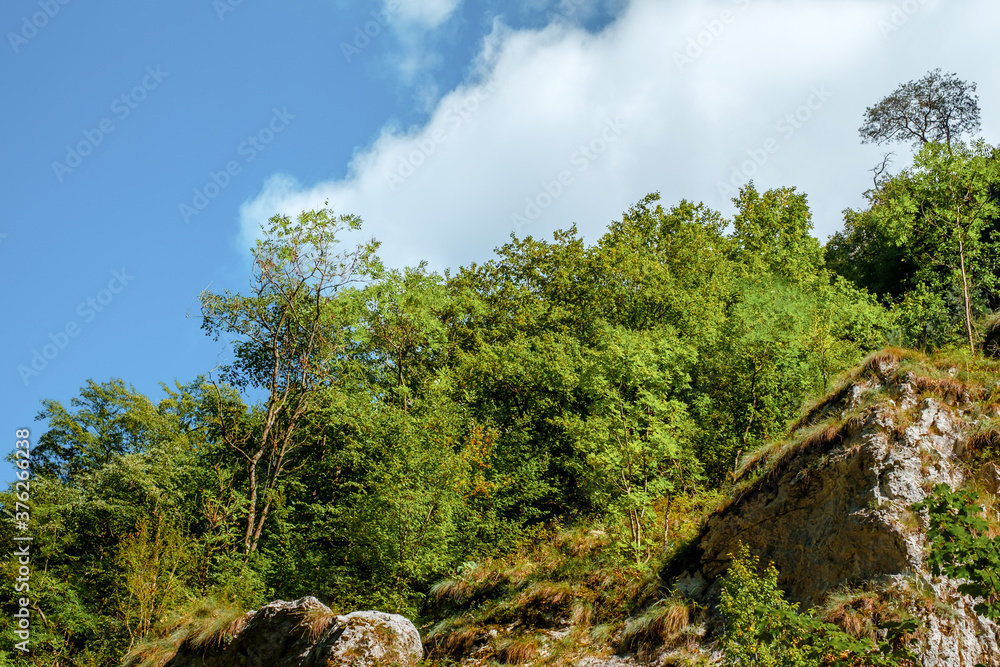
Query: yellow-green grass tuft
[
  {"x": 203, "y": 624},
  {"x": 658, "y": 626}
]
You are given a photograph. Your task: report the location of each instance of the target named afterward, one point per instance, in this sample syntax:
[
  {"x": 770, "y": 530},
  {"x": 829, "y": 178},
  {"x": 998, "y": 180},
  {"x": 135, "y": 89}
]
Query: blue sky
[{"x": 145, "y": 142}]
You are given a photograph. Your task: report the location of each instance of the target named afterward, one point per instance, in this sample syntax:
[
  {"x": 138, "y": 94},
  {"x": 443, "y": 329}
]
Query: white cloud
[{"x": 447, "y": 192}]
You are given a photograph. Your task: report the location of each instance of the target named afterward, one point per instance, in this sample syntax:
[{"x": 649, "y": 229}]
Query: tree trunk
[
  {"x": 666, "y": 524},
  {"x": 965, "y": 287},
  {"x": 252, "y": 511}
]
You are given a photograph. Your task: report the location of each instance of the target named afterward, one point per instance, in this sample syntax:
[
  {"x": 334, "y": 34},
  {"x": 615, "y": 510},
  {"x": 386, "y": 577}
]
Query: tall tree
[
  {"x": 291, "y": 333},
  {"x": 939, "y": 107},
  {"x": 772, "y": 235}
]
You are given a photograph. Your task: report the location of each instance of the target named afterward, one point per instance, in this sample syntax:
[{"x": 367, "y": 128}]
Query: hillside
[
  {"x": 830, "y": 505},
  {"x": 578, "y": 450}
]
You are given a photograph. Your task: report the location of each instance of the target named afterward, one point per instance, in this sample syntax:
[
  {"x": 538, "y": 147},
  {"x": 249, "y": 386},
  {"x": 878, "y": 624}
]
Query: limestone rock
[
  {"x": 372, "y": 638},
  {"x": 832, "y": 509}
]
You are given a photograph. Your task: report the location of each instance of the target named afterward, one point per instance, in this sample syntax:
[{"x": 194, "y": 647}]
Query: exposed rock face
[
  {"x": 305, "y": 633},
  {"x": 832, "y": 509},
  {"x": 842, "y": 521}
]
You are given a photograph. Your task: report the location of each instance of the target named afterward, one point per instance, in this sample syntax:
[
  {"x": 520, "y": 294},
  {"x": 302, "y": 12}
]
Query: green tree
[
  {"x": 291, "y": 334},
  {"x": 771, "y": 235},
  {"x": 634, "y": 442},
  {"x": 110, "y": 419},
  {"x": 939, "y": 215}
]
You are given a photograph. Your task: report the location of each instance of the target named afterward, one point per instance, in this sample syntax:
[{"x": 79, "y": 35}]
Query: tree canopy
[{"x": 936, "y": 108}]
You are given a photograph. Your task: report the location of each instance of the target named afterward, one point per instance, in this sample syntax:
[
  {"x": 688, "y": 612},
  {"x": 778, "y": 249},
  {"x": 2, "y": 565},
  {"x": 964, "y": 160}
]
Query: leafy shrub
[
  {"x": 764, "y": 630},
  {"x": 960, "y": 546}
]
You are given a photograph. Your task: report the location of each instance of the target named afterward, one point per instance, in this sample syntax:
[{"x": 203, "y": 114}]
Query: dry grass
[
  {"x": 517, "y": 650},
  {"x": 568, "y": 579},
  {"x": 552, "y": 595},
  {"x": 658, "y": 626},
  {"x": 151, "y": 653},
  {"x": 473, "y": 584},
  {"x": 821, "y": 437},
  {"x": 862, "y": 612},
  {"x": 581, "y": 613},
  {"x": 452, "y": 640},
  {"x": 545, "y": 603},
  {"x": 314, "y": 622},
  {"x": 948, "y": 389},
  {"x": 217, "y": 632},
  {"x": 983, "y": 445},
  {"x": 859, "y": 613}
]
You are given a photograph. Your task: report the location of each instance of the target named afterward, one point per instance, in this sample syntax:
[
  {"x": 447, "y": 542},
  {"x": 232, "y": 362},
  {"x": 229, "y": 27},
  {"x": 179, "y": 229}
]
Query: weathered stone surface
[
  {"x": 305, "y": 633},
  {"x": 989, "y": 478},
  {"x": 840, "y": 521},
  {"x": 835, "y": 512},
  {"x": 372, "y": 638}
]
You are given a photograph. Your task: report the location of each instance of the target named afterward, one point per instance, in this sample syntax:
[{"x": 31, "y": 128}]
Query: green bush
[
  {"x": 765, "y": 630},
  {"x": 960, "y": 546}
]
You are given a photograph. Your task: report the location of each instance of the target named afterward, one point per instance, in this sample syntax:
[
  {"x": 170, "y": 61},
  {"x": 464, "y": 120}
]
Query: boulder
[
  {"x": 372, "y": 638},
  {"x": 306, "y": 633}
]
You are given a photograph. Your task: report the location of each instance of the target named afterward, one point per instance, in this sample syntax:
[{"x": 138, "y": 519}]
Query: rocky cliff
[{"x": 830, "y": 506}]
